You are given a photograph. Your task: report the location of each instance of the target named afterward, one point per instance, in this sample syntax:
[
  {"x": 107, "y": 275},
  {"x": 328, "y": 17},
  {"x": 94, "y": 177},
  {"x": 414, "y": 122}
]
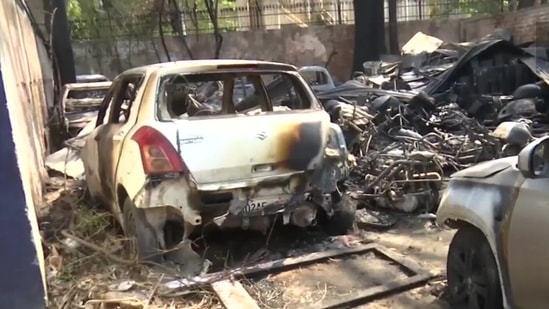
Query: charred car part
[
  {"x": 281, "y": 155},
  {"x": 462, "y": 103},
  {"x": 80, "y": 102},
  {"x": 499, "y": 204},
  {"x": 319, "y": 78},
  {"x": 91, "y": 78}
]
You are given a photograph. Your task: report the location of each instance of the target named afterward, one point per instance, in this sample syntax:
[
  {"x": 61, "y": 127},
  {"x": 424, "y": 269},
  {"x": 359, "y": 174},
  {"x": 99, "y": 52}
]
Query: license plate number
[{"x": 259, "y": 204}]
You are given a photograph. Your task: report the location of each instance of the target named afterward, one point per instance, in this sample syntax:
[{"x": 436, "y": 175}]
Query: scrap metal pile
[{"x": 436, "y": 110}]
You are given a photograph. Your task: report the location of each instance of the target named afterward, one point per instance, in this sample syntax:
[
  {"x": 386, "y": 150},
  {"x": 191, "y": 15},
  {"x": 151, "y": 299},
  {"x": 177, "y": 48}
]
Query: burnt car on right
[{"x": 500, "y": 208}]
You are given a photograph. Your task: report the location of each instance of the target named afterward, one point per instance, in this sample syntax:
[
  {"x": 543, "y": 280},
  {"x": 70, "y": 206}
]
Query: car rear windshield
[
  {"x": 244, "y": 93},
  {"x": 314, "y": 77},
  {"x": 92, "y": 93}
]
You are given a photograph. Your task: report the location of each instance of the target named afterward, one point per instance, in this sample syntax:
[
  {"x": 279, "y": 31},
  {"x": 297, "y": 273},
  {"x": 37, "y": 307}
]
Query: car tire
[
  {"x": 343, "y": 217},
  {"x": 143, "y": 242},
  {"x": 472, "y": 272}
]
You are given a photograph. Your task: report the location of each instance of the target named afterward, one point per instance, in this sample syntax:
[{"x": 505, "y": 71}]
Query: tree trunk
[
  {"x": 212, "y": 9},
  {"x": 61, "y": 43},
  {"x": 522, "y": 4},
  {"x": 393, "y": 28},
  {"x": 178, "y": 25},
  {"x": 369, "y": 32}
]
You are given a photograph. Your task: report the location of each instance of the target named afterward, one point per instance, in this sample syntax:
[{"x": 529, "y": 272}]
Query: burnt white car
[
  {"x": 80, "y": 101},
  {"x": 173, "y": 143},
  {"x": 500, "y": 208}
]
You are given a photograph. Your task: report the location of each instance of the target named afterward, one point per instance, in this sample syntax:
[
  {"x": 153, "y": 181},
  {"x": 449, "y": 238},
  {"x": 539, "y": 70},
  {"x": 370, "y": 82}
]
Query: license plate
[{"x": 256, "y": 205}]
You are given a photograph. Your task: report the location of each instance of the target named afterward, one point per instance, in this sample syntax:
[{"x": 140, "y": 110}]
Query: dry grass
[{"x": 87, "y": 266}]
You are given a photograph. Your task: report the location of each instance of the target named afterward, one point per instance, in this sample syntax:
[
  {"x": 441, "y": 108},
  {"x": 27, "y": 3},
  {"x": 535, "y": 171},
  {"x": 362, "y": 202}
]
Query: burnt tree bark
[
  {"x": 61, "y": 43},
  {"x": 393, "y": 28},
  {"x": 369, "y": 32}
]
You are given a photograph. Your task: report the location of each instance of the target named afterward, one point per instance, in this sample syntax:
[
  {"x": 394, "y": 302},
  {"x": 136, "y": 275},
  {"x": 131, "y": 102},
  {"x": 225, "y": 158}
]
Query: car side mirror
[{"x": 533, "y": 160}]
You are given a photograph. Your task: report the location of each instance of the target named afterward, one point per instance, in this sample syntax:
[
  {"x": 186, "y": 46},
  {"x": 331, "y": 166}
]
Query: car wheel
[
  {"x": 343, "y": 217},
  {"x": 143, "y": 242},
  {"x": 473, "y": 278}
]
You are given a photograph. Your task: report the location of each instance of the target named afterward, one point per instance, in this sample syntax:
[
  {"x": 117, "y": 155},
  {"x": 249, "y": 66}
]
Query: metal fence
[{"x": 267, "y": 17}]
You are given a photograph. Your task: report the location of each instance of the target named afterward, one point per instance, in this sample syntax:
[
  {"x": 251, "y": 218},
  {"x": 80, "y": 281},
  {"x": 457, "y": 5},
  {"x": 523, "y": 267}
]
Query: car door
[
  {"x": 110, "y": 139},
  {"x": 90, "y": 153},
  {"x": 527, "y": 251}
]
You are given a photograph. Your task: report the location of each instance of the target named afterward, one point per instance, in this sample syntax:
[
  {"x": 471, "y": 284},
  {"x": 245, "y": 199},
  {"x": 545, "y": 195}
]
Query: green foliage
[
  {"x": 466, "y": 8},
  {"x": 89, "y": 19}
]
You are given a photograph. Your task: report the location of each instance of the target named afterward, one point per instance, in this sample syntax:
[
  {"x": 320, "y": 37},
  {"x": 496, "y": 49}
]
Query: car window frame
[
  {"x": 117, "y": 101},
  {"x": 104, "y": 111}
]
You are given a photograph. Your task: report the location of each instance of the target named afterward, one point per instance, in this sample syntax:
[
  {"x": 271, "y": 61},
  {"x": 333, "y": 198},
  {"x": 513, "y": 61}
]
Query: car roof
[
  {"x": 196, "y": 66},
  {"x": 79, "y": 86},
  {"x": 85, "y": 77}
]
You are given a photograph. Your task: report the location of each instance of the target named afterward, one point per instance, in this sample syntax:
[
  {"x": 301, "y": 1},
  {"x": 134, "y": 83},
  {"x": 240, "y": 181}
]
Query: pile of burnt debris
[{"x": 413, "y": 120}]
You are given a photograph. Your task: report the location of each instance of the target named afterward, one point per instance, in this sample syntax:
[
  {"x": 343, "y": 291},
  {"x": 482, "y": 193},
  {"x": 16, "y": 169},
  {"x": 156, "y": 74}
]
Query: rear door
[
  {"x": 90, "y": 152},
  {"x": 112, "y": 134}
]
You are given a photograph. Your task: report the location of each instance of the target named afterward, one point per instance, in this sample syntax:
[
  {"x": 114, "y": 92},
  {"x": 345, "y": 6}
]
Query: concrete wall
[
  {"x": 300, "y": 46},
  {"x": 27, "y": 87}
]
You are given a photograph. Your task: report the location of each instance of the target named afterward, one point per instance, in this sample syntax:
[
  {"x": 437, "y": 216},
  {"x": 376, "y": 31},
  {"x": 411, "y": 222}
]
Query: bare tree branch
[
  {"x": 161, "y": 30},
  {"x": 212, "y": 8},
  {"x": 177, "y": 23}
]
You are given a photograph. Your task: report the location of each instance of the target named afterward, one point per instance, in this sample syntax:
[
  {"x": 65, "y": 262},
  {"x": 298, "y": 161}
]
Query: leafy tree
[
  {"x": 469, "y": 8},
  {"x": 93, "y": 19}
]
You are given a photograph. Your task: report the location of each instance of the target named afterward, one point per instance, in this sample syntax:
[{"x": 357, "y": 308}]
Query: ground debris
[
  {"x": 86, "y": 264},
  {"x": 413, "y": 120}
]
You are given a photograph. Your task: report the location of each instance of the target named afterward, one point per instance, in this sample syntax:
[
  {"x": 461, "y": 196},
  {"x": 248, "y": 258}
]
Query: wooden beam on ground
[
  {"x": 233, "y": 295},
  {"x": 271, "y": 266}
]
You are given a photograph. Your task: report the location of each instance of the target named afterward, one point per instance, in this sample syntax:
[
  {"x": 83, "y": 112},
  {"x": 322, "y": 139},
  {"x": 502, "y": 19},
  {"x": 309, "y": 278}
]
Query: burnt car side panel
[
  {"x": 300, "y": 145},
  {"x": 527, "y": 251},
  {"x": 486, "y": 203}
]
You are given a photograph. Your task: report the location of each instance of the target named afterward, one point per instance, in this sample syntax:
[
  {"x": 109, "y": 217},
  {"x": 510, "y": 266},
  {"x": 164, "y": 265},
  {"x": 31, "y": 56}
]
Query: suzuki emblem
[{"x": 261, "y": 135}]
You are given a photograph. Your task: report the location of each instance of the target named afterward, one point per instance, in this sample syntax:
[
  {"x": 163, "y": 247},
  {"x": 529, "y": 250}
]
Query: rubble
[
  {"x": 411, "y": 121},
  {"x": 437, "y": 109},
  {"x": 68, "y": 160}
]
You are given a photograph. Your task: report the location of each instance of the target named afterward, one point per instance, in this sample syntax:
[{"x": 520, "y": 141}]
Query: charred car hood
[{"x": 486, "y": 169}]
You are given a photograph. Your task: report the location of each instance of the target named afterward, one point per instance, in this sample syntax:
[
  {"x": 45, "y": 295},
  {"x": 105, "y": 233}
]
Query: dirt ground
[
  {"x": 426, "y": 244},
  {"x": 86, "y": 263},
  {"x": 418, "y": 240},
  {"x": 318, "y": 283}
]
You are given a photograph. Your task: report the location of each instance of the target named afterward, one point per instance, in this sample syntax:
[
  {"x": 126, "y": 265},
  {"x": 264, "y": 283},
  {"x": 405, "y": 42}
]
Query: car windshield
[
  {"x": 90, "y": 93},
  {"x": 243, "y": 93},
  {"x": 314, "y": 77}
]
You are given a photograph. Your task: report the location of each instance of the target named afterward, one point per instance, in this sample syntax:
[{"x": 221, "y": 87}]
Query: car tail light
[{"x": 157, "y": 153}]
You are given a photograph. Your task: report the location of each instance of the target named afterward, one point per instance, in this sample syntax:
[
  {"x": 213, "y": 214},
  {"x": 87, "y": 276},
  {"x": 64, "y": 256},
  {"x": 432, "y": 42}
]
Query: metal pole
[{"x": 339, "y": 19}]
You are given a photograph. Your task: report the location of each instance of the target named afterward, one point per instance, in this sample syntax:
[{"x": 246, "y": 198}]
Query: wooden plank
[
  {"x": 376, "y": 292},
  {"x": 286, "y": 263},
  {"x": 233, "y": 295}
]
